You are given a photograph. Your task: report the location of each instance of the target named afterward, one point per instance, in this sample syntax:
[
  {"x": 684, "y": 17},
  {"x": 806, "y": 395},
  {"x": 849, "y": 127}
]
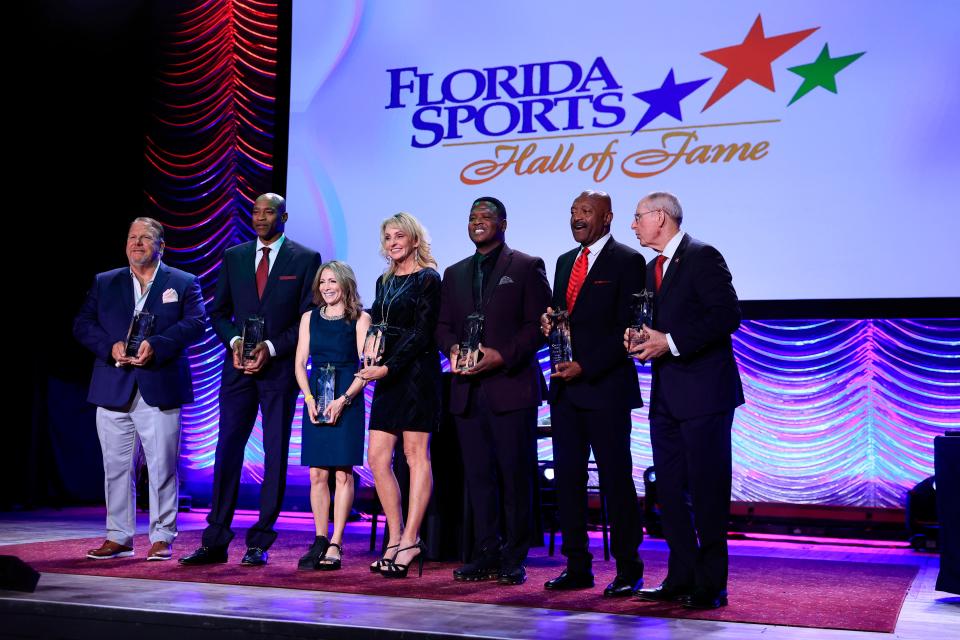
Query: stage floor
[{"x": 66, "y": 605}]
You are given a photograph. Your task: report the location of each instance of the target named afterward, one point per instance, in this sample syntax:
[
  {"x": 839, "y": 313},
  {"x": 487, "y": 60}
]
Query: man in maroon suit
[{"x": 494, "y": 402}]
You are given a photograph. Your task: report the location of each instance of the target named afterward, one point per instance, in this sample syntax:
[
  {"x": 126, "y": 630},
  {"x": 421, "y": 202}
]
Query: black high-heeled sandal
[
  {"x": 377, "y": 565},
  {"x": 396, "y": 570},
  {"x": 330, "y": 564}
]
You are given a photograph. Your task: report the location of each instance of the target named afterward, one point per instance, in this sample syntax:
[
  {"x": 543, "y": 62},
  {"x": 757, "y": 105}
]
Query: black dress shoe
[
  {"x": 205, "y": 555},
  {"x": 622, "y": 587},
  {"x": 568, "y": 580},
  {"x": 483, "y": 568},
  {"x": 705, "y": 599},
  {"x": 512, "y": 575},
  {"x": 254, "y": 557},
  {"x": 663, "y": 593}
]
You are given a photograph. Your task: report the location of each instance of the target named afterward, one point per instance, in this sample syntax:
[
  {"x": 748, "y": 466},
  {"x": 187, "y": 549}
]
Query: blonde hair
[
  {"x": 418, "y": 234},
  {"x": 352, "y": 307}
]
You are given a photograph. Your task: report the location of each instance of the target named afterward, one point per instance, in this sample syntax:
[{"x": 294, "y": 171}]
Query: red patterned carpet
[{"x": 806, "y": 593}]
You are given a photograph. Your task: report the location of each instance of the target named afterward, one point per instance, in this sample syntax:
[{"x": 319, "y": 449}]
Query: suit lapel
[
  {"x": 283, "y": 259},
  {"x": 124, "y": 288},
  {"x": 247, "y": 270},
  {"x": 563, "y": 276},
  {"x": 464, "y": 291},
  {"x": 503, "y": 263},
  {"x": 676, "y": 263},
  {"x": 156, "y": 289},
  {"x": 597, "y": 269}
]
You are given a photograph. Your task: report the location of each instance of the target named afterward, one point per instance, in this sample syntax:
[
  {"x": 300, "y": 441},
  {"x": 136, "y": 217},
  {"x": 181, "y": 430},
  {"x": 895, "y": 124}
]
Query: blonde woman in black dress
[{"x": 406, "y": 399}]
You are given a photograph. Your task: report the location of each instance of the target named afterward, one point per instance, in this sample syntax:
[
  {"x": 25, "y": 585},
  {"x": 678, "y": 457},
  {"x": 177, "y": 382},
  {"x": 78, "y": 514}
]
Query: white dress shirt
[
  {"x": 272, "y": 258},
  {"x": 595, "y": 250}
]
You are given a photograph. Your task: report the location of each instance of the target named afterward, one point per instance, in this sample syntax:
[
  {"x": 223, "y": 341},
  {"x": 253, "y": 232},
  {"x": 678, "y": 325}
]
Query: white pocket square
[
  {"x": 505, "y": 280},
  {"x": 170, "y": 295}
]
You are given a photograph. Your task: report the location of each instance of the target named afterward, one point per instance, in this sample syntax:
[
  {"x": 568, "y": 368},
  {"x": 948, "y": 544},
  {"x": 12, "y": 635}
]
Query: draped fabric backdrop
[
  {"x": 209, "y": 153},
  {"x": 839, "y": 412}
]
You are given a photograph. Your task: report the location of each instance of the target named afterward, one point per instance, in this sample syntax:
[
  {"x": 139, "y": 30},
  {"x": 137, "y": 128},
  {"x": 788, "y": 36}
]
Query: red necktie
[
  {"x": 658, "y": 271},
  {"x": 577, "y": 275},
  {"x": 263, "y": 270}
]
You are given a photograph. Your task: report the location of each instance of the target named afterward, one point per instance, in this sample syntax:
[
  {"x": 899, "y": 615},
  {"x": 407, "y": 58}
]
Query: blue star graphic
[{"x": 666, "y": 99}]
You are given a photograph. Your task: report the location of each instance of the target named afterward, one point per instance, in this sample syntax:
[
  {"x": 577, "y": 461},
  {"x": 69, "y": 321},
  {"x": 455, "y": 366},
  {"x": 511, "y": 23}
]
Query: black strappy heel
[
  {"x": 396, "y": 570},
  {"x": 378, "y": 565}
]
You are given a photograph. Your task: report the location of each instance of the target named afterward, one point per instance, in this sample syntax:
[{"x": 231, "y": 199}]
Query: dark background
[{"x": 80, "y": 134}]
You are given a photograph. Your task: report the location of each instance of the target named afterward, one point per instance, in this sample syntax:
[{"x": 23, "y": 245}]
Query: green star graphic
[{"x": 821, "y": 72}]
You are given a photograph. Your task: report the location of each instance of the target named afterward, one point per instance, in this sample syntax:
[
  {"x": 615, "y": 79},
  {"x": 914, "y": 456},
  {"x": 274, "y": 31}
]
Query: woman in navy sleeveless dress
[{"x": 332, "y": 436}]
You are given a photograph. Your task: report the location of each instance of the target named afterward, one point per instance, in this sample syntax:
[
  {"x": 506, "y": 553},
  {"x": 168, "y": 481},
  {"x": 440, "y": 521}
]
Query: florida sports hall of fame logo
[{"x": 563, "y": 115}]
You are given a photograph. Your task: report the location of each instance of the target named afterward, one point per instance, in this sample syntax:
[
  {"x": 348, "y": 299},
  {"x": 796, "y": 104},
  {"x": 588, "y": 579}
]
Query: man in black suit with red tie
[
  {"x": 591, "y": 397},
  {"x": 494, "y": 402},
  {"x": 696, "y": 387},
  {"x": 270, "y": 278}
]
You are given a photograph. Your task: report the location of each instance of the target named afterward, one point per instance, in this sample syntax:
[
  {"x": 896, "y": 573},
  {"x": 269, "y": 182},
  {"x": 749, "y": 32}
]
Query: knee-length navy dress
[{"x": 340, "y": 444}]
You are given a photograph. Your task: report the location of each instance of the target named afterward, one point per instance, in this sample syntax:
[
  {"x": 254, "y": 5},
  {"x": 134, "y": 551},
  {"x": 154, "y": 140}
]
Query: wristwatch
[{"x": 347, "y": 398}]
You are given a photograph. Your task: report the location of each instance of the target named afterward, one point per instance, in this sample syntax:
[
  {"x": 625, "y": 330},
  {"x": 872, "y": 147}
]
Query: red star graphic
[{"x": 751, "y": 59}]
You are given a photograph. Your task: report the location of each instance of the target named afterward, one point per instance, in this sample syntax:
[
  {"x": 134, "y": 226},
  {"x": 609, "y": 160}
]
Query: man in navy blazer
[
  {"x": 495, "y": 402},
  {"x": 270, "y": 278},
  {"x": 140, "y": 395},
  {"x": 591, "y": 398},
  {"x": 696, "y": 388}
]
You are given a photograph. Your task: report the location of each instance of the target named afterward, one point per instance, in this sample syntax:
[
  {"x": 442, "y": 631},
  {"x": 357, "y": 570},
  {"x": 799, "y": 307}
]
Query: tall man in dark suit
[
  {"x": 495, "y": 401},
  {"x": 696, "y": 387},
  {"x": 591, "y": 397},
  {"x": 139, "y": 397},
  {"x": 270, "y": 278}
]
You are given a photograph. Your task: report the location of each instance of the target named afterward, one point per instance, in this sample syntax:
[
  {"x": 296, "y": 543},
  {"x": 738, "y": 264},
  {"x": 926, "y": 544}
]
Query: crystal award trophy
[
  {"x": 141, "y": 328},
  {"x": 373, "y": 345},
  {"x": 469, "y": 353},
  {"x": 326, "y": 382},
  {"x": 253, "y": 330},
  {"x": 561, "y": 349},
  {"x": 642, "y": 312}
]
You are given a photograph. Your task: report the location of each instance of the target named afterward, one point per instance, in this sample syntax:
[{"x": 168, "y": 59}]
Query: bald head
[
  {"x": 269, "y": 217},
  {"x": 601, "y": 197},
  {"x": 274, "y": 200},
  {"x": 590, "y": 216}
]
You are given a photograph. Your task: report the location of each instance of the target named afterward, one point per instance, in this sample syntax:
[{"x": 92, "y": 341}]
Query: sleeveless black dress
[{"x": 408, "y": 397}]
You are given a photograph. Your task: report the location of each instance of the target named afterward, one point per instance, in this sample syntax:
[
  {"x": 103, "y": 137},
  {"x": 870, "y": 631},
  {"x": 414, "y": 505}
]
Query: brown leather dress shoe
[
  {"x": 160, "y": 550},
  {"x": 110, "y": 549}
]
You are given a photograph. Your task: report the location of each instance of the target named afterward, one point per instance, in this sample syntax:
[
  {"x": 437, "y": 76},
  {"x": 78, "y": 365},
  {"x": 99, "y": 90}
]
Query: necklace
[
  {"x": 323, "y": 313},
  {"x": 389, "y": 296}
]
